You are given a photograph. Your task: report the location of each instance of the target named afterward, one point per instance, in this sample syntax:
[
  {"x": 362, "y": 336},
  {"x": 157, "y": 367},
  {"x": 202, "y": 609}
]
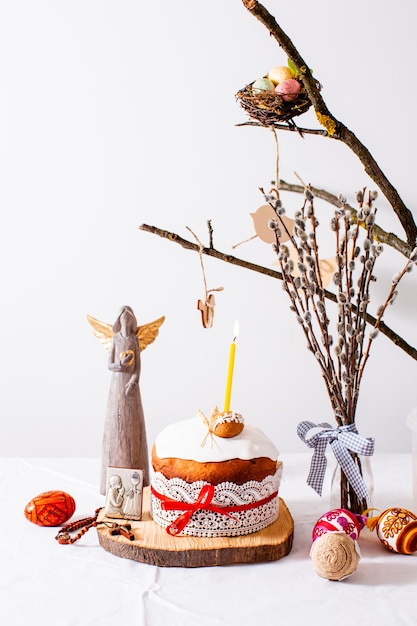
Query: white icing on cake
[{"x": 183, "y": 440}]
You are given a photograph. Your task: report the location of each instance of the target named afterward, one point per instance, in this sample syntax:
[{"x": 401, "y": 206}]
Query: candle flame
[{"x": 235, "y": 331}]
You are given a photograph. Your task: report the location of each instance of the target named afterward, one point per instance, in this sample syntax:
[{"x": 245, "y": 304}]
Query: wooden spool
[{"x": 154, "y": 546}]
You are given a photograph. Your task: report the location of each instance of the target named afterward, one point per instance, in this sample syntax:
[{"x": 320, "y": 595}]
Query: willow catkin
[{"x": 335, "y": 555}]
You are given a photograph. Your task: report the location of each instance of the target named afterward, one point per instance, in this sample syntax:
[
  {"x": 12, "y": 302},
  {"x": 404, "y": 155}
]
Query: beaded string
[{"x": 84, "y": 524}]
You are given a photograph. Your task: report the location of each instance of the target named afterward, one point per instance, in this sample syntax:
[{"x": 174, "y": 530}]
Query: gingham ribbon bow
[{"x": 342, "y": 439}]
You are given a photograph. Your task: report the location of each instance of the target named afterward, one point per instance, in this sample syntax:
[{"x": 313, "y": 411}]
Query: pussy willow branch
[
  {"x": 378, "y": 320},
  {"x": 228, "y": 258},
  {"x": 381, "y": 235},
  {"x": 334, "y": 127}
]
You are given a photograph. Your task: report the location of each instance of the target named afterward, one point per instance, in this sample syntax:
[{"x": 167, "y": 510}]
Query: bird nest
[{"x": 268, "y": 107}]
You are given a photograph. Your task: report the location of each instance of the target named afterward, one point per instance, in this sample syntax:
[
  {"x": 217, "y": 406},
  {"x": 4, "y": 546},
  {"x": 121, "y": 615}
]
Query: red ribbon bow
[{"x": 203, "y": 502}]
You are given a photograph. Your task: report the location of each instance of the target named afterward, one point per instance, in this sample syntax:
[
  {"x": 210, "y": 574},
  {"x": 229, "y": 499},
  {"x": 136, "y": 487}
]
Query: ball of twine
[{"x": 335, "y": 556}]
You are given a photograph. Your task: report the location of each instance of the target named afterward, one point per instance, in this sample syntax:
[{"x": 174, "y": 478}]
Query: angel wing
[
  {"x": 102, "y": 331},
  {"x": 146, "y": 334}
]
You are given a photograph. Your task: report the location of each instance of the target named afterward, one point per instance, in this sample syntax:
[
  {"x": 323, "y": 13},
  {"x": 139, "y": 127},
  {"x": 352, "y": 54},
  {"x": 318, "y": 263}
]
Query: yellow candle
[{"x": 230, "y": 370}]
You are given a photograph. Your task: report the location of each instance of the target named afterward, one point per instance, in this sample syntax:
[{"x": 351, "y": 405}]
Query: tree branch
[
  {"x": 334, "y": 127},
  {"x": 291, "y": 127},
  {"x": 228, "y": 258}
]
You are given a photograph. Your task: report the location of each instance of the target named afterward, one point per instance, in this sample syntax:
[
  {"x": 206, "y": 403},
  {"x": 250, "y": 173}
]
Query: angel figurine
[{"x": 124, "y": 440}]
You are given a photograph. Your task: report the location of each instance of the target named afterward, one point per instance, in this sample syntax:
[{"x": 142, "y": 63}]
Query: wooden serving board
[{"x": 153, "y": 545}]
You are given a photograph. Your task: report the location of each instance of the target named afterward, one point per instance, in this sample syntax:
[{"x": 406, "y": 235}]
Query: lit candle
[{"x": 230, "y": 369}]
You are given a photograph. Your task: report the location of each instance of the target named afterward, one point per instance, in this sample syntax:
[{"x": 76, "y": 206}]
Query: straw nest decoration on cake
[{"x": 268, "y": 107}]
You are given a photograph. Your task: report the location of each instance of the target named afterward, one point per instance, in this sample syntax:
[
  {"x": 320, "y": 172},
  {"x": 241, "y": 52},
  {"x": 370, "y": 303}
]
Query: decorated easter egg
[
  {"x": 279, "y": 73},
  {"x": 288, "y": 89},
  {"x": 51, "y": 508},
  {"x": 397, "y": 530},
  {"x": 339, "y": 520},
  {"x": 262, "y": 84}
]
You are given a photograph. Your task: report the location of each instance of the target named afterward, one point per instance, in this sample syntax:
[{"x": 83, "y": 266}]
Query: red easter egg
[
  {"x": 338, "y": 520},
  {"x": 51, "y": 508}
]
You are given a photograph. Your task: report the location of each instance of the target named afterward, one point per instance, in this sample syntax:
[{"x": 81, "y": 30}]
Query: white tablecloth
[{"x": 47, "y": 584}]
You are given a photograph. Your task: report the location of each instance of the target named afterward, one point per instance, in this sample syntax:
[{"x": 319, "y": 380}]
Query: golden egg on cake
[{"x": 226, "y": 423}]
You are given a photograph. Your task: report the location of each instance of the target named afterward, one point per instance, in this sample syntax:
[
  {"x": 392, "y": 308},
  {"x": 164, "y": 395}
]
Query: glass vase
[{"x": 342, "y": 494}]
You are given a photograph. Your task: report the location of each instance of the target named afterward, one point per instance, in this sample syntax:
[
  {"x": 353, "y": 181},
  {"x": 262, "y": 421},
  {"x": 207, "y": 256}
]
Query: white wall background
[{"x": 113, "y": 114}]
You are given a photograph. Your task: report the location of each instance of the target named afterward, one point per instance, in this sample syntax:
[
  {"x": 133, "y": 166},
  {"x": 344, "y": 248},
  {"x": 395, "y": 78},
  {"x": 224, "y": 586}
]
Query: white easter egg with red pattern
[{"x": 339, "y": 520}]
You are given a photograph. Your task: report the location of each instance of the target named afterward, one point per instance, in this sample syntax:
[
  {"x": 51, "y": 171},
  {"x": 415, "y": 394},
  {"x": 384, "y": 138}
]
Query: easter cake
[{"x": 214, "y": 478}]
